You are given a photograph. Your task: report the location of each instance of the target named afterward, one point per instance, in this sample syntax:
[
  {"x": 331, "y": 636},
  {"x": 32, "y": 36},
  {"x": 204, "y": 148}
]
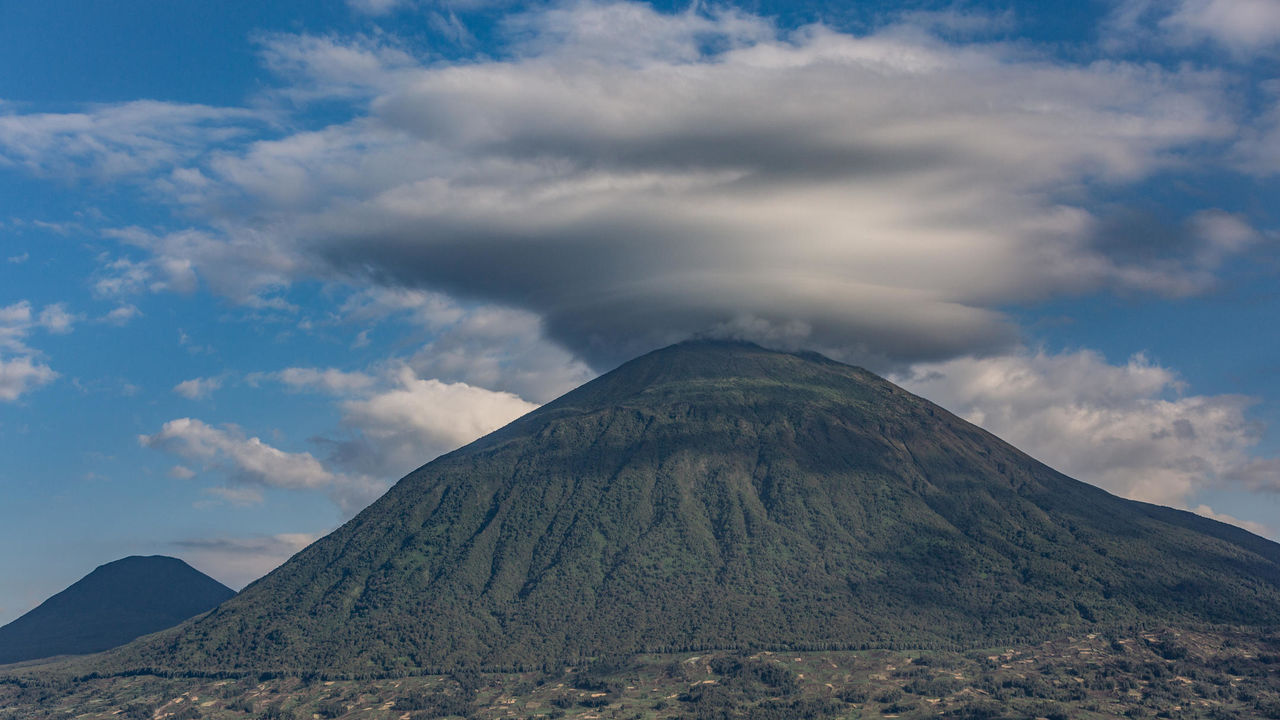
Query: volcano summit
[{"x": 721, "y": 495}]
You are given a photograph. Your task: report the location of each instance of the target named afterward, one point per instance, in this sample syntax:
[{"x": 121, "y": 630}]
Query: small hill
[
  {"x": 717, "y": 495},
  {"x": 110, "y": 606}
]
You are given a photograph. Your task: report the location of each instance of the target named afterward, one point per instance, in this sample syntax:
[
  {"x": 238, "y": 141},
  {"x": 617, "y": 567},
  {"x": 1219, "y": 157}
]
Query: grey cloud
[
  {"x": 1259, "y": 474},
  {"x": 1166, "y": 257},
  {"x": 501, "y": 349},
  {"x": 489, "y": 346},
  {"x": 630, "y": 178},
  {"x": 883, "y": 192}
]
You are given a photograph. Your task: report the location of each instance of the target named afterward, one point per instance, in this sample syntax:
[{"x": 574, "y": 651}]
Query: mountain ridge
[
  {"x": 112, "y": 605},
  {"x": 720, "y": 495}
]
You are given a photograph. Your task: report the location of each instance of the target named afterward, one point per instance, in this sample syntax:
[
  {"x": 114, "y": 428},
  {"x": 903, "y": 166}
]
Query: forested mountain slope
[{"x": 720, "y": 495}]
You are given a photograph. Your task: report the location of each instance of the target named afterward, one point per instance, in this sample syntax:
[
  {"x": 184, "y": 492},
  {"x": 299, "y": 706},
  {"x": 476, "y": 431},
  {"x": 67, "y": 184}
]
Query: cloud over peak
[
  {"x": 632, "y": 177},
  {"x": 604, "y": 178}
]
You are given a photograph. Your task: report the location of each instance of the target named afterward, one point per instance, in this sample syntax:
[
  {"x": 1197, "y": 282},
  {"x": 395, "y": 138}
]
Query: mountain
[
  {"x": 110, "y": 606},
  {"x": 720, "y": 495}
]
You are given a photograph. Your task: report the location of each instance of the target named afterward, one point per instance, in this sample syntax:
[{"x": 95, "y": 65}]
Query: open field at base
[{"x": 1159, "y": 674}]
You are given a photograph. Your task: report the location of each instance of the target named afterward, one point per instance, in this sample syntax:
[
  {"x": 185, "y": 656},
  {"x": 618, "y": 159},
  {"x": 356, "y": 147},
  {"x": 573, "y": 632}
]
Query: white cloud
[
  {"x": 121, "y": 277},
  {"x": 254, "y": 465},
  {"x": 18, "y": 320},
  {"x": 376, "y": 7},
  {"x": 1243, "y": 27},
  {"x": 247, "y": 268},
  {"x": 470, "y": 378},
  {"x": 1223, "y": 235},
  {"x": 198, "y": 388},
  {"x": 237, "y": 561},
  {"x": 318, "y": 67},
  {"x": 490, "y": 346},
  {"x": 22, "y": 370},
  {"x": 329, "y": 380},
  {"x": 402, "y": 427},
  {"x": 181, "y": 472},
  {"x": 22, "y": 374},
  {"x": 501, "y": 349},
  {"x": 432, "y": 311},
  {"x": 1125, "y": 428},
  {"x": 253, "y": 460},
  {"x": 121, "y": 315},
  {"x": 56, "y": 319},
  {"x": 119, "y": 140}
]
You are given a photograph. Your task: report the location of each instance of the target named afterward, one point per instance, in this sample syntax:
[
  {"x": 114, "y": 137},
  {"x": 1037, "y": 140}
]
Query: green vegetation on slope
[{"x": 723, "y": 496}]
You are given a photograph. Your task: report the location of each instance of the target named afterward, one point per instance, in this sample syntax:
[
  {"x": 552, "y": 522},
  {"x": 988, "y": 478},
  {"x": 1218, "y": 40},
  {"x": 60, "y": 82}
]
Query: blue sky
[{"x": 258, "y": 260}]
